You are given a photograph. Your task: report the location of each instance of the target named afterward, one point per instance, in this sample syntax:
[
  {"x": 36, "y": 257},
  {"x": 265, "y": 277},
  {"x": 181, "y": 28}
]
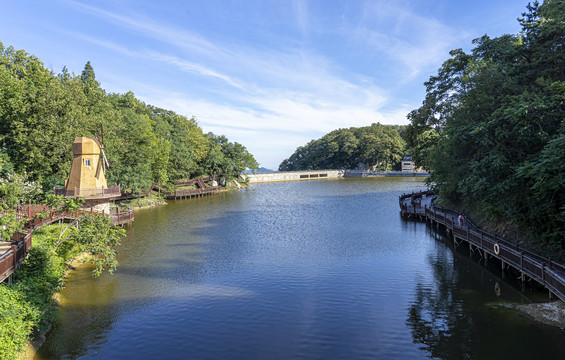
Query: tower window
[{"x": 87, "y": 162}]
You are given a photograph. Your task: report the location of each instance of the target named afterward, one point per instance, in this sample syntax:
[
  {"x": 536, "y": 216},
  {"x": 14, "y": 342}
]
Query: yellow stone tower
[{"x": 87, "y": 171}]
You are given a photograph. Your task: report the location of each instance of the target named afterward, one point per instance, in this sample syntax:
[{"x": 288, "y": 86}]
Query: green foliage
[
  {"x": 13, "y": 190},
  {"x": 9, "y": 222},
  {"x": 99, "y": 237},
  {"x": 17, "y": 318},
  {"x": 227, "y": 158},
  {"x": 42, "y": 113},
  {"x": 491, "y": 126},
  {"x": 376, "y": 146},
  {"x": 16, "y": 188},
  {"x": 25, "y": 305}
]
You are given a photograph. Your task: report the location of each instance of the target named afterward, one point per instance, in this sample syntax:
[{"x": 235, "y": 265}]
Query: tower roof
[{"x": 85, "y": 146}]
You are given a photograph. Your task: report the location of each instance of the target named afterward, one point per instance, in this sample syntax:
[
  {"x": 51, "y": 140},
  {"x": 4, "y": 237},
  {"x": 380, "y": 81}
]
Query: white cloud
[
  {"x": 417, "y": 42},
  {"x": 146, "y": 26},
  {"x": 276, "y": 98},
  {"x": 192, "y": 67},
  {"x": 300, "y": 10},
  {"x": 274, "y": 133}
]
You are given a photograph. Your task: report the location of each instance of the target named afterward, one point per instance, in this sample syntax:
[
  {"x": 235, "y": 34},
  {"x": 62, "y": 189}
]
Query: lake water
[{"x": 321, "y": 269}]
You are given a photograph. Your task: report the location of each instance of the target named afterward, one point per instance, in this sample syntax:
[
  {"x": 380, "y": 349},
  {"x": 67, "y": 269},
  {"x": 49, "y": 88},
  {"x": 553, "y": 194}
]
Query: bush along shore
[
  {"x": 145, "y": 144},
  {"x": 26, "y": 304}
]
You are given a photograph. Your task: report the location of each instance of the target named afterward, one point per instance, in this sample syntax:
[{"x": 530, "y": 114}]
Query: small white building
[{"x": 408, "y": 165}]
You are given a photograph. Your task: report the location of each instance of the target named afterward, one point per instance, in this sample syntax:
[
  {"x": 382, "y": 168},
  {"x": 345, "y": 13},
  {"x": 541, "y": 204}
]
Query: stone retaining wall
[{"x": 293, "y": 175}]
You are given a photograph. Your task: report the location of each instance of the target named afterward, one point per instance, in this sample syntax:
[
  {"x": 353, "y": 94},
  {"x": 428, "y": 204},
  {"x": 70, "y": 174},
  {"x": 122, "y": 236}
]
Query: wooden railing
[
  {"x": 193, "y": 192},
  {"x": 116, "y": 216},
  {"x": 13, "y": 253},
  {"x": 177, "y": 194},
  {"x": 543, "y": 270},
  {"x": 411, "y": 203},
  {"x": 89, "y": 192},
  {"x": 120, "y": 216},
  {"x": 194, "y": 181}
]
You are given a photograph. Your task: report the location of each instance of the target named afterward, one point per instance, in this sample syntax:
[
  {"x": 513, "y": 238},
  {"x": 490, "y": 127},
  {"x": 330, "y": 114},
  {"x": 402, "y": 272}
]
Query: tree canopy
[
  {"x": 492, "y": 126},
  {"x": 376, "y": 146},
  {"x": 41, "y": 113}
]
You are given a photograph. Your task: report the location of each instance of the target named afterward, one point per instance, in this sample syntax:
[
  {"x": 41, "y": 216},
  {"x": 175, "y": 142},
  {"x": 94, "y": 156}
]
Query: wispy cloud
[
  {"x": 417, "y": 42},
  {"x": 281, "y": 123},
  {"x": 192, "y": 67},
  {"x": 271, "y": 91},
  {"x": 181, "y": 64},
  {"x": 175, "y": 36},
  {"x": 300, "y": 9}
]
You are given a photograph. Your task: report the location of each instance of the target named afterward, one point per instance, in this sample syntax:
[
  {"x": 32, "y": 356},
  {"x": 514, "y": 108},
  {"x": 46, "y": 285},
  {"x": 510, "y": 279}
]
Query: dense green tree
[
  {"x": 227, "y": 158},
  {"x": 42, "y": 113},
  {"x": 376, "y": 146},
  {"x": 491, "y": 126},
  {"x": 130, "y": 144},
  {"x": 97, "y": 236},
  {"x": 188, "y": 143}
]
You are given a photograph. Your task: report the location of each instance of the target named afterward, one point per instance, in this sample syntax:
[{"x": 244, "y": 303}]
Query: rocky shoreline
[{"x": 549, "y": 313}]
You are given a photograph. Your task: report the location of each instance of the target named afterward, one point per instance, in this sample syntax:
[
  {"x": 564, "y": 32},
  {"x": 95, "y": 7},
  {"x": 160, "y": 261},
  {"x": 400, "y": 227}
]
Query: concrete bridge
[
  {"x": 293, "y": 175},
  {"x": 325, "y": 174}
]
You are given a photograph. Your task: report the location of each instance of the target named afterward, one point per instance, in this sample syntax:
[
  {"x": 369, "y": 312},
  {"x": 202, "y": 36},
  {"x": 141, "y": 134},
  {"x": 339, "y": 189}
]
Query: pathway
[
  {"x": 543, "y": 270},
  {"x": 13, "y": 252}
]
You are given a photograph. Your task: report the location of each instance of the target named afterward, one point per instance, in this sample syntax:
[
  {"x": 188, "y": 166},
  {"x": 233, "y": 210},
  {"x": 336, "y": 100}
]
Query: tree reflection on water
[
  {"x": 437, "y": 318},
  {"x": 457, "y": 315}
]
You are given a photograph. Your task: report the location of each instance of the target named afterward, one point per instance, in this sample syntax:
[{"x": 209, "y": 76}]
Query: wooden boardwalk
[
  {"x": 543, "y": 270},
  {"x": 13, "y": 252},
  {"x": 202, "y": 189},
  {"x": 181, "y": 194}
]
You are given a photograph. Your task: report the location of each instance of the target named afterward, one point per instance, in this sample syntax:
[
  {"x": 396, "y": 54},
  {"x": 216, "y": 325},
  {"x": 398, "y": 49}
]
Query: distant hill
[
  {"x": 259, "y": 171},
  {"x": 372, "y": 147}
]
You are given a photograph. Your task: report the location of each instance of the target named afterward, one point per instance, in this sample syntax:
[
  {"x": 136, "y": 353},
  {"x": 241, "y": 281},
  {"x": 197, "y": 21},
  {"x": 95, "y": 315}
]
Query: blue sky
[{"x": 269, "y": 74}]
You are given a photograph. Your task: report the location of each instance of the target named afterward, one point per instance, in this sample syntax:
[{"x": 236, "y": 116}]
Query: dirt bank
[{"x": 550, "y": 313}]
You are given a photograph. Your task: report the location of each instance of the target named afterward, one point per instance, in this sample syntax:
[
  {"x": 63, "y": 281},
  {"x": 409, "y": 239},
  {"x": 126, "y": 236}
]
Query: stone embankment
[
  {"x": 293, "y": 175},
  {"x": 352, "y": 173},
  {"x": 326, "y": 174}
]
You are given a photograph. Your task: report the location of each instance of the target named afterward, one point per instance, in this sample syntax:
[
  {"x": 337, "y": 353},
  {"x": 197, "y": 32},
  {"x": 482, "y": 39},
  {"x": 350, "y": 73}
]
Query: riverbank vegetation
[
  {"x": 40, "y": 115},
  {"x": 376, "y": 147},
  {"x": 26, "y": 305},
  {"x": 42, "y": 112},
  {"x": 492, "y": 129}
]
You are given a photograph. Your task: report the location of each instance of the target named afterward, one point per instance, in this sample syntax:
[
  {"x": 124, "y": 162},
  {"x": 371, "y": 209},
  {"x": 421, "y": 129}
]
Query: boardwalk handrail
[
  {"x": 51, "y": 215},
  {"x": 194, "y": 181},
  {"x": 545, "y": 271},
  {"x": 190, "y": 192},
  {"x": 12, "y": 257},
  {"x": 89, "y": 192}
]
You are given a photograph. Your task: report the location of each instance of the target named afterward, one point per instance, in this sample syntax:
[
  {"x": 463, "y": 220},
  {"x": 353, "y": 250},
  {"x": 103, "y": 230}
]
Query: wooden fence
[
  {"x": 13, "y": 252},
  {"x": 90, "y": 192},
  {"x": 179, "y": 194},
  {"x": 543, "y": 270},
  {"x": 194, "y": 181}
]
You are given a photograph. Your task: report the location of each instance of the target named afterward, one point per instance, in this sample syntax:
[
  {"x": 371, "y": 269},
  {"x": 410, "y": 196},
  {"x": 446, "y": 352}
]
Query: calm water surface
[{"x": 311, "y": 270}]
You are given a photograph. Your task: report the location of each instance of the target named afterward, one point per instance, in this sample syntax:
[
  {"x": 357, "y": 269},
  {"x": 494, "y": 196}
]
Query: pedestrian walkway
[
  {"x": 13, "y": 252},
  {"x": 550, "y": 274}
]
